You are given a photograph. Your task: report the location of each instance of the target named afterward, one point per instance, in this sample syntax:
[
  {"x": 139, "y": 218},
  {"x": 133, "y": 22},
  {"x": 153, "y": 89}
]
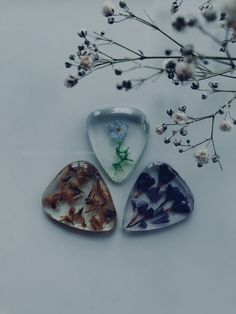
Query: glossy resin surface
[
  {"x": 118, "y": 137},
  {"x": 79, "y": 198},
  {"x": 159, "y": 198}
]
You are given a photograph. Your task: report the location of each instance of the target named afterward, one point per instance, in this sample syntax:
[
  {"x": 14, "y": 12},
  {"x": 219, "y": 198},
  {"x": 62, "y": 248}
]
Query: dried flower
[
  {"x": 86, "y": 62},
  {"x": 108, "y": 9},
  {"x": 169, "y": 65},
  {"x": 162, "y": 218},
  {"x": 142, "y": 206},
  {"x": 117, "y": 130},
  {"x": 187, "y": 64},
  {"x": 177, "y": 141},
  {"x": 144, "y": 182},
  {"x": 82, "y": 33},
  {"x": 202, "y": 155},
  {"x": 122, "y": 4},
  {"x": 181, "y": 206},
  {"x": 160, "y": 129},
  {"x": 180, "y": 117},
  {"x": 195, "y": 85},
  {"x": 70, "y": 81},
  {"x": 183, "y": 132},
  {"x": 173, "y": 193},
  {"x": 184, "y": 70},
  {"x": 225, "y": 126},
  {"x": 127, "y": 84},
  {"x": 167, "y": 140},
  {"x": 214, "y": 84},
  {"x": 179, "y": 24},
  {"x": 166, "y": 174}
]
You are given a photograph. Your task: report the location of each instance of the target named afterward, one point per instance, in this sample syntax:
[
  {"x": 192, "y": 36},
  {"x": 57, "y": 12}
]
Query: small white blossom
[
  {"x": 160, "y": 129},
  {"x": 184, "y": 70},
  {"x": 177, "y": 141},
  {"x": 180, "y": 117},
  {"x": 202, "y": 155},
  {"x": 86, "y": 62},
  {"x": 226, "y": 126},
  {"x": 108, "y": 9}
]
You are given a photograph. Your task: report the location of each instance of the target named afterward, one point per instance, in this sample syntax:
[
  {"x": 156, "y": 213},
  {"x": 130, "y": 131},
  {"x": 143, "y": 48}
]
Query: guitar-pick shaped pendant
[
  {"x": 79, "y": 198},
  {"x": 118, "y": 137},
  {"x": 159, "y": 198}
]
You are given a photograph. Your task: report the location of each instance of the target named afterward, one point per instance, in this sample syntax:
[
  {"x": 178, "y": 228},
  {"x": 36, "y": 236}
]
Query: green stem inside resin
[{"x": 122, "y": 156}]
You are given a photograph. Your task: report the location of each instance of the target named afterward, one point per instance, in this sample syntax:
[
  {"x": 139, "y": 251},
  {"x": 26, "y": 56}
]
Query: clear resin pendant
[
  {"x": 159, "y": 198},
  {"x": 118, "y": 137},
  {"x": 78, "y": 197}
]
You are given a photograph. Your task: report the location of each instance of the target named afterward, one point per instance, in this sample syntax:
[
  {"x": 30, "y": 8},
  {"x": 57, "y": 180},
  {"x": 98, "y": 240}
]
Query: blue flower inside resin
[
  {"x": 118, "y": 137},
  {"x": 117, "y": 131}
]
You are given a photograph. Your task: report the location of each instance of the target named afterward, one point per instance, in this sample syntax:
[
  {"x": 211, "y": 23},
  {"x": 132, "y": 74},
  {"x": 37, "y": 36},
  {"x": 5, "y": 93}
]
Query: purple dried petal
[
  {"x": 181, "y": 206},
  {"x": 159, "y": 212},
  {"x": 161, "y": 220},
  {"x": 149, "y": 213},
  {"x": 154, "y": 195},
  {"x": 166, "y": 174},
  {"x": 173, "y": 193},
  {"x": 142, "y": 206},
  {"x": 143, "y": 224},
  {"x": 144, "y": 182},
  {"x": 133, "y": 203}
]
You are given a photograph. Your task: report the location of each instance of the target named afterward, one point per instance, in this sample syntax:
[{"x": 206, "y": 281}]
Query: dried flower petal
[
  {"x": 86, "y": 62},
  {"x": 180, "y": 117},
  {"x": 225, "y": 126},
  {"x": 202, "y": 155},
  {"x": 144, "y": 182},
  {"x": 166, "y": 174},
  {"x": 108, "y": 9}
]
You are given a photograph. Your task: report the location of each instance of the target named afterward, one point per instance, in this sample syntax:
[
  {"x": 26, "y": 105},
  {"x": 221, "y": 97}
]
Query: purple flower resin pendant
[
  {"x": 79, "y": 198},
  {"x": 159, "y": 198},
  {"x": 118, "y": 137}
]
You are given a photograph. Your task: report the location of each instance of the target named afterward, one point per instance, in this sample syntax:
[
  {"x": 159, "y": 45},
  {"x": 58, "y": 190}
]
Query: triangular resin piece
[
  {"x": 118, "y": 137},
  {"x": 79, "y": 198},
  {"x": 159, "y": 198}
]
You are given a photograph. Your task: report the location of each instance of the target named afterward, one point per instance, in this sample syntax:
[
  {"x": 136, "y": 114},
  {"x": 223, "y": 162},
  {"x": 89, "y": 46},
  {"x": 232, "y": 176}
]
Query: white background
[{"x": 46, "y": 269}]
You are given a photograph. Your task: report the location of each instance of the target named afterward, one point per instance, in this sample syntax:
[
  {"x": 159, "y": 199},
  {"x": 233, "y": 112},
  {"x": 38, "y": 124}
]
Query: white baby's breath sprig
[{"x": 183, "y": 63}]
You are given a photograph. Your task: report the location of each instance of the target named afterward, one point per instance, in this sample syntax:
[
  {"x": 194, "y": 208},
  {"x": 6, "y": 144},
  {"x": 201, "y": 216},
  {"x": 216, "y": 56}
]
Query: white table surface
[{"x": 46, "y": 269}]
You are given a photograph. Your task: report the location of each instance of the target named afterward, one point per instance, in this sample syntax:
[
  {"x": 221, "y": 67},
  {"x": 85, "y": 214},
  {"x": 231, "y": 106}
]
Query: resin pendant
[
  {"x": 79, "y": 198},
  {"x": 159, "y": 198},
  {"x": 118, "y": 137}
]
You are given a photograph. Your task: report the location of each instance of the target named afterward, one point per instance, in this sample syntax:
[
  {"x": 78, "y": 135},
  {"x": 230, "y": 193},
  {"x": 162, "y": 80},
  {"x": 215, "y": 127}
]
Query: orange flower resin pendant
[{"x": 79, "y": 198}]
